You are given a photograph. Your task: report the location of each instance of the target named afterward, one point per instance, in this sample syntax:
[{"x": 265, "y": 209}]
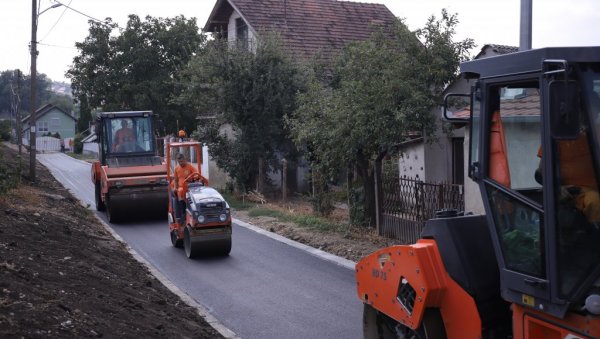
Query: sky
[{"x": 555, "y": 23}]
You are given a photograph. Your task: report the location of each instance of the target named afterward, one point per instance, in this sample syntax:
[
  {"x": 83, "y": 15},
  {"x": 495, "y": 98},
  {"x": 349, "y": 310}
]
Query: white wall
[{"x": 412, "y": 162}]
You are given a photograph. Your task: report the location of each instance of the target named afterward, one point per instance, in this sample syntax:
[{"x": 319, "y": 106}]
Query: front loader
[
  {"x": 129, "y": 176},
  {"x": 529, "y": 267}
]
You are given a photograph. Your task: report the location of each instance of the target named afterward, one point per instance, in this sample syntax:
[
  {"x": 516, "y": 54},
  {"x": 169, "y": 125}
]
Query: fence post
[{"x": 377, "y": 196}]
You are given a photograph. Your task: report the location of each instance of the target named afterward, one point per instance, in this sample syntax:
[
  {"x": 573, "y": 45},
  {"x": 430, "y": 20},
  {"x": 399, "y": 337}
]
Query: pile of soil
[{"x": 62, "y": 274}]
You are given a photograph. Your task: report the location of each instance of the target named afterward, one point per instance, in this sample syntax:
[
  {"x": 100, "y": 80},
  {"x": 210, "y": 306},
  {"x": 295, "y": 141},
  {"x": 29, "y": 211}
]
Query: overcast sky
[{"x": 555, "y": 23}]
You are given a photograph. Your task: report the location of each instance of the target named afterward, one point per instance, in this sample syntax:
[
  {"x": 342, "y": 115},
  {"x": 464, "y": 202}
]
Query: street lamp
[{"x": 32, "y": 119}]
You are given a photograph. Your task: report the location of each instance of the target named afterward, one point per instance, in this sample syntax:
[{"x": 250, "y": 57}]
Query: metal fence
[{"x": 408, "y": 203}]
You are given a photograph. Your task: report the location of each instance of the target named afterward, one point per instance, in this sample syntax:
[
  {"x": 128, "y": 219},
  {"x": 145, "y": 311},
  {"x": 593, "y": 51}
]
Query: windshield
[
  {"x": 578, "y": 203},
  {"x": 129, "y": 135}
]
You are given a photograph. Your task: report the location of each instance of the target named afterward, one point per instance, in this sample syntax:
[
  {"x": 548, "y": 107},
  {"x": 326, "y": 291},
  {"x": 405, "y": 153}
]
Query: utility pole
[
  {"x": 18, "y": 113},
  {"x": 32, "y": 104}
]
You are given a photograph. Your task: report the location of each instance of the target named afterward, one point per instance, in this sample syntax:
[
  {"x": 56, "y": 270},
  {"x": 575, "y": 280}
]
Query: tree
[
  {"x": 136, "y": 69},
  {"x": 250, "y": 92},
  {"x": 8, "y": 88},
  {"x": 382, "y": 89}
]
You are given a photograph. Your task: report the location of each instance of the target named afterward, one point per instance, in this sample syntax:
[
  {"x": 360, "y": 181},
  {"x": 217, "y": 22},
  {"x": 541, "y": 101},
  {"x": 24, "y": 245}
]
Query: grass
[
  {"x": 81, "y": 156},
  {"x": 235, "y": 203},
  {"x": 303, "y": 220}
]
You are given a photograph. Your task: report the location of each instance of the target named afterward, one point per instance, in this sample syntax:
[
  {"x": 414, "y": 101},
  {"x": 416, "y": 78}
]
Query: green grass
[{"x": 308, "y": 221}]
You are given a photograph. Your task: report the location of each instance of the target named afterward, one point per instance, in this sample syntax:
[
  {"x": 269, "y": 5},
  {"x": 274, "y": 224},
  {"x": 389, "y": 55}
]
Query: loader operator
[
  {"x": 124, "y": 139},
  {"x": 578, "y": 183},
  {"x": 182, "y": 171}
]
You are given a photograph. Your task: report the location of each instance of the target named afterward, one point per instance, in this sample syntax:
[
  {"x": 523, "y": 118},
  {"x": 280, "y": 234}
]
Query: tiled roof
[
  {"x": 44, "y": 110},
  {"x": 496, "y": 50},
  {"x": 308, "y": 26}
]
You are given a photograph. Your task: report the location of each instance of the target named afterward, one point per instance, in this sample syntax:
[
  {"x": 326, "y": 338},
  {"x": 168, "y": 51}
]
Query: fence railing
[{"x": 408, "y": 203}]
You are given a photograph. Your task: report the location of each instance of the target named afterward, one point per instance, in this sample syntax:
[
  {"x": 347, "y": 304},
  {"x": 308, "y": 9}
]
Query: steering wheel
[{"x": 193, "y": 177}]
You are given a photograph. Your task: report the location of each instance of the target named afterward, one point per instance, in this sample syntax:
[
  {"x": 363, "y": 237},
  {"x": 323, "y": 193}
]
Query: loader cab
[
  {"x": 126, "y": 135},
  {"x": 535, "y": 153}
]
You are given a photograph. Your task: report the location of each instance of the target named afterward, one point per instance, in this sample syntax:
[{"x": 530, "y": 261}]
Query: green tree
[
  {"x": 382, "y": 90},
  {"x": 8, "y": 89},
  {"x": 250, "y": 92},
  {"x": 136, "y": 68}
]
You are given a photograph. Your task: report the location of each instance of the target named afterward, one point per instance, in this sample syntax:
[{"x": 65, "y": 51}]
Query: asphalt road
[{"x": 264, "y": 289}]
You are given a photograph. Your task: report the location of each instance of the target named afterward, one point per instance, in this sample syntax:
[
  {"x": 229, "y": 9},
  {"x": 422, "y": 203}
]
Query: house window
[
  {"x": 55, "y": 123},
  {"x": 42, "y": 126},
  {"x": 241, "y": 33}
]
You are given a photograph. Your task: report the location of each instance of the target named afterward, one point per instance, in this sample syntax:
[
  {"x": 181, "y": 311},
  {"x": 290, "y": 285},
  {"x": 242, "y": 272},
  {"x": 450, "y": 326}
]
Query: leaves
[
  {"x": 136, "y": 69},
  {"x": 248, "y": 93},
  {"x": 383, "y": 90}
]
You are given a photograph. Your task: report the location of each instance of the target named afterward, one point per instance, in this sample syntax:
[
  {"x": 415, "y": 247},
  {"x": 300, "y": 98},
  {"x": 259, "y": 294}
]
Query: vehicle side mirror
[
  {"x": 457, "y": 107},
  {"x": 564, "y": 108}
]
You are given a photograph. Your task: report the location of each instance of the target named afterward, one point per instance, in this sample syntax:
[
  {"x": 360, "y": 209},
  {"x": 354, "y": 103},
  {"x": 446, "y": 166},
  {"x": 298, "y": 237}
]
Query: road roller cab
[
  {"x": 199, "y": 216},
  {"x": 129, "y": 175}
]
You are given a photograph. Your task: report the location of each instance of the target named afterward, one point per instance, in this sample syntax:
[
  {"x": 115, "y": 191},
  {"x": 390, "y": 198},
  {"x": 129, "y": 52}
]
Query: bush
[
  {"x": 5, "y": 130},
  {"x": 77, "y": 144},
  {"x": 9, "y": 177}
]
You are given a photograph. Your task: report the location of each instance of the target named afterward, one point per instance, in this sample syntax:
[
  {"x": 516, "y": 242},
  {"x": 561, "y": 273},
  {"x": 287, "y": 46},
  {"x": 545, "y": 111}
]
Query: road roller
[
  {"x": 199, "y": 217},
  {"x": 129, "y": 176}
]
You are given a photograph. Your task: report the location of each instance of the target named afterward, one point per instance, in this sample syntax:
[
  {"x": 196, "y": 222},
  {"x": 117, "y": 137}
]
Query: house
[
  {"x": 440, "y": 158},
  {"x": 308, "y": 27},
  {"x": 49, "y": 121}
]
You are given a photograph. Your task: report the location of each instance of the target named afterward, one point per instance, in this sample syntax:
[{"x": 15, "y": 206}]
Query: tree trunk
[
  {"x": 365, "y": 171},
  {"x": 260, "y": 181},
  {"x": 284, "y": 180}
]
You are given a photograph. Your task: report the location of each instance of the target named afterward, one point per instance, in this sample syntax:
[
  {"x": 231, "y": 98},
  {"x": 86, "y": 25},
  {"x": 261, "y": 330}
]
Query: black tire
[
  {"x": 98, "y": 194},
  {"x": 177, "y": 243},
  {"x": 110, "y": 210},
  {"x": 377, "y": 325},
  {"x": 191, "y": 251},
  {"x": 226, "y": 248}
]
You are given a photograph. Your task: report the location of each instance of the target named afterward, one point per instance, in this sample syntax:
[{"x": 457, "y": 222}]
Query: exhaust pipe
[{"x": 525, "y": 31}]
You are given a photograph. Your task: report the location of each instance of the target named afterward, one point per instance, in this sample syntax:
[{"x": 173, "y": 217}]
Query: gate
[{"x": 408, "y": 203}]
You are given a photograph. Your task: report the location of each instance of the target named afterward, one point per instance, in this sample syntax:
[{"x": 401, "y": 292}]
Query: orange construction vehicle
[
  {"x": 529, "y": 267},
  {"x": 199, "y": 217},
  {"x": 129, "y": 175}
]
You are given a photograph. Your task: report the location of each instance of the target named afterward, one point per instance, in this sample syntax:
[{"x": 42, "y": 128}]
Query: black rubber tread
[
  {"x": 98, "y": 195},
  {"x": 377, "y": 325}
]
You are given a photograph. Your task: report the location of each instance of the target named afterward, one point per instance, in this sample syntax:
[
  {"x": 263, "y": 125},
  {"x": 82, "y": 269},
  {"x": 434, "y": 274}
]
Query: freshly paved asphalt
[{"x": 264, "y": 289}]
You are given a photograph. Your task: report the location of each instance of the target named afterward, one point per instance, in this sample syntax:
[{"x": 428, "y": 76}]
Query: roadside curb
[{"x": 349, "y": 264}]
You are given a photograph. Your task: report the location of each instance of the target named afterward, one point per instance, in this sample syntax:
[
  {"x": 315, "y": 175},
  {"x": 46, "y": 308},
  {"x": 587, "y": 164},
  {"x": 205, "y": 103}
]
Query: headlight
[
  {"x": 223, "y": 217},
  {"x": 201, "y": 219}
]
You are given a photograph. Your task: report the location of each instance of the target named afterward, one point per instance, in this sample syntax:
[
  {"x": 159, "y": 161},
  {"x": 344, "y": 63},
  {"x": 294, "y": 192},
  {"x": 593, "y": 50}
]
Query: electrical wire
[
  {"x": 79, "y": 12},
  {"x": 51, "y": 28}
]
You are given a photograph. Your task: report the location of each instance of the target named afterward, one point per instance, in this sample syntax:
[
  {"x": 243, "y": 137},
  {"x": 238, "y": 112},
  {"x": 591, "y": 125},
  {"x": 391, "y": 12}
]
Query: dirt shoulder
[
  {"x": 339, "y": 238},
  {"x": 62, "y": 274}
]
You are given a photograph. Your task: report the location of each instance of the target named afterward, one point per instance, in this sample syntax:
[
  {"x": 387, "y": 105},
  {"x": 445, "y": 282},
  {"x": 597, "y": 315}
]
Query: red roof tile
[{"x": 308, "y": 26}]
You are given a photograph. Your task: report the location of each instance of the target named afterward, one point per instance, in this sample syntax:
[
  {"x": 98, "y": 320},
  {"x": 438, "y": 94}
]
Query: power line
[
  {"x": 51, "y": 28},
  {"x": 57, "y": 46},
  {"x": 74, "y": 10}
]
